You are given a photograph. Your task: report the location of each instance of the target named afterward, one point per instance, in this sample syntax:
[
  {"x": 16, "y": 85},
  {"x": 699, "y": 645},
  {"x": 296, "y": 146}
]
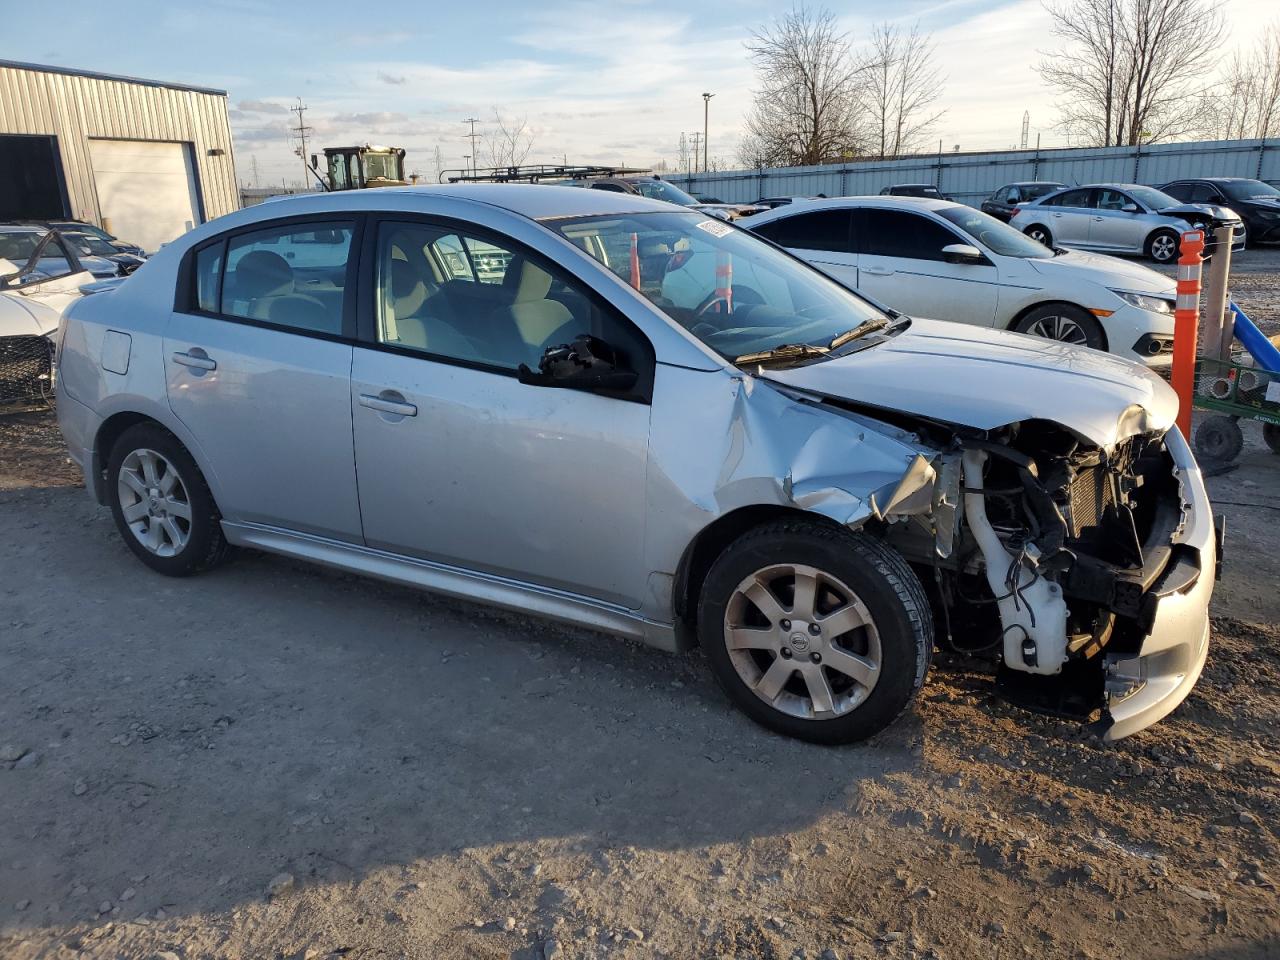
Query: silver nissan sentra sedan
[{"x": 639, "y": 419}]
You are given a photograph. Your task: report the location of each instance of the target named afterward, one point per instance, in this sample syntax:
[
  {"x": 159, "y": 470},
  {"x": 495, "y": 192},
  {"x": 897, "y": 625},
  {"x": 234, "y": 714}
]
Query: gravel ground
[{"x": 274, "y": 760}]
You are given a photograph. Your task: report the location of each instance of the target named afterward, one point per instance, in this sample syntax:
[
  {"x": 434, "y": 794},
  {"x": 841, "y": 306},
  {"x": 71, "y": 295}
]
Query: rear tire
[
  {"x": 1219, "y": 438},
  {"x": 1040, "y": 234},
  {"x": 162, "y": 504},
  {"x": 1065, "y": 323},
  {"x": 816, "y": 632},
  {"x": 1162, "y": 246}
]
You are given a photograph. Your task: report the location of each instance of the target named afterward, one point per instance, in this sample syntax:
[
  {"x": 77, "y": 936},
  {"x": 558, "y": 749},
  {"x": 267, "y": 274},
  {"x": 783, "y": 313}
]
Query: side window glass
[
  {"x": 1180, "y": 191},
  {"x": 1111, "y": 200},
  {"x": 208, "y": 276},
  {"x": 293, "y": 276},
  {"x": 1014, "y": 195},
  {"x": 476, "y": 300},
  {"x": 1202, "y": 193},
  {"x": 894, "y": 233},
  {"x": 823, "y": 230}
]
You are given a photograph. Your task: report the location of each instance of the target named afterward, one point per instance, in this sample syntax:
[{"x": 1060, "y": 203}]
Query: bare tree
[
  {"x": 902, "y": 86},
  {"x": 1130, "y": 70},
  {"x": 510, "y": 141},
  {"x": 806, "y": 109},
  {"x": 1248, "y": 100}
]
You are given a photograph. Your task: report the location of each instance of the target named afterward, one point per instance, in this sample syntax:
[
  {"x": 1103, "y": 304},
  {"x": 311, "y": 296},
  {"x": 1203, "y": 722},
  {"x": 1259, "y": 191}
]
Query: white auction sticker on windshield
[{"x": 717, "y": 228}]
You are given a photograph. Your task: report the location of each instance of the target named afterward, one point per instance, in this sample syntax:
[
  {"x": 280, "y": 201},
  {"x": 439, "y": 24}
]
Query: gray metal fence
[{"x": 970, "y": 177}]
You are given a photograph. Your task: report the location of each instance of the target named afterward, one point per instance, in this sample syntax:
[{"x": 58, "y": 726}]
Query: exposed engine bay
[{"x": 1051, "y": 552}]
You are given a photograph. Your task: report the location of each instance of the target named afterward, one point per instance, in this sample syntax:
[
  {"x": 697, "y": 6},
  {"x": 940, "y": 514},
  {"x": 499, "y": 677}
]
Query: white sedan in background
[{"x": 934, "y": 258}]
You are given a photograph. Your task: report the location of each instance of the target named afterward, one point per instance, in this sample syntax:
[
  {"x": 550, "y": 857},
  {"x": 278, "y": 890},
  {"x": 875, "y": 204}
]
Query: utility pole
[
  {"x": 706, "y": 113},
  {"x": 302, "y": 130},
  {"x": 473, "y": 121},
  {"x": 696, "y": 137}
]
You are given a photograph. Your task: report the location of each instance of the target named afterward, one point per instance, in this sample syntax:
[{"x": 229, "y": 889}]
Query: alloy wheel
[
  {"x": 1057, "y": 327},
  {"x": 1039, "y": 236},
  {"x": 1164, "y": 248},
  {"x": 154, "y": 502},
  {"x": 802, "y": 641}
]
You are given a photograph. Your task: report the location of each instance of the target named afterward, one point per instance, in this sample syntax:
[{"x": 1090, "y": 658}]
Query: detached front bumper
[{"x": 1144, "y": 689}]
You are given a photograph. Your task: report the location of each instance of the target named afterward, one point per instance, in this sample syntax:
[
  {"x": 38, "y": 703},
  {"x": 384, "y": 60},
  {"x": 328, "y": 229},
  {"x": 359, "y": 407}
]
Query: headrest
[
  {"x": 531, "y": 281},
  {"x": 261, "y": 273},
  {"x": 407, "y": 289}
]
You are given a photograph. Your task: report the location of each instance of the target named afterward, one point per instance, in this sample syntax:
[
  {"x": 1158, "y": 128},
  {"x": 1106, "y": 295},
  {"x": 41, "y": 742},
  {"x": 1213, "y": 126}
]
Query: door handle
[
  {"x": 878, "y": 271},
  {"x": 197, "y": 361},
  {"x": 389, "y": 402},
  {"x": 1099, "y": 219}
]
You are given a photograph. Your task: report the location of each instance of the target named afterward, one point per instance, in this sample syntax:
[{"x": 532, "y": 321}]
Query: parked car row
[{"x": 44, "y": 266}]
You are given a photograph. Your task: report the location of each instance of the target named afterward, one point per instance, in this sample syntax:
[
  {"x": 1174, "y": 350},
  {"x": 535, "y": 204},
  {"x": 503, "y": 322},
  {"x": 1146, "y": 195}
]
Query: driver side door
[{"x": 462, "y": 464}]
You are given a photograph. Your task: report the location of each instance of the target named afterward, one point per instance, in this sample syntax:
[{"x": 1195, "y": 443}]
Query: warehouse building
[{"x": 145, "y": 160}]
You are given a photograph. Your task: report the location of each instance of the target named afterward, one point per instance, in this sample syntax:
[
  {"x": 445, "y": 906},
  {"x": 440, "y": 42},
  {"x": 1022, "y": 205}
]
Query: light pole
[{"x": 706, "y": 112}]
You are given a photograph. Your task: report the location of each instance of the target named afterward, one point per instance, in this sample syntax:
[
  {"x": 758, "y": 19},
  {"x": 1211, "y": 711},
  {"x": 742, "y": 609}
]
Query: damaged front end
[{"x": 1089, "y": 568}]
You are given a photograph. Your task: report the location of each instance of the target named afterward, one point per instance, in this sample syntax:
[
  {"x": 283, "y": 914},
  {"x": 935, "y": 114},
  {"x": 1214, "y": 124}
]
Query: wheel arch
[
  {"x": 707, "y": 545},
  {"x": 1021, "y": 314},
  {"x": 116, "y": 423}
]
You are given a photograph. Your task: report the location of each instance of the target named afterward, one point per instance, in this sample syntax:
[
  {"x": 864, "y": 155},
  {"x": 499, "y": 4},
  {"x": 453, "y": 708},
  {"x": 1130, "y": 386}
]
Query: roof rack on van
[{"x": 534, "y": 172}]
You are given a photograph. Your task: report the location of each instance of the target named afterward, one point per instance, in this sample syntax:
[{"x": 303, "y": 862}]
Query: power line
[
  {"x": 301, "y": 130},
  {"x": 473, "y": 121}
]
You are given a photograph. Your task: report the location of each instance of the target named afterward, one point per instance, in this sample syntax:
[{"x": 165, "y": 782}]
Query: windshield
[
  {"x": 996, "y": 236},
  {"x": 18, "y": 247},
  {"x": 731, "y": 290},
  {"x": 661, "y": 190},
  {"x": 93, "y": 245},
  {"x": 1151, "y": 197},
  {"x": 1250, "y": 190},
  {"x": 381, "y": 165},
  {"x": 1034, "y": 191}
]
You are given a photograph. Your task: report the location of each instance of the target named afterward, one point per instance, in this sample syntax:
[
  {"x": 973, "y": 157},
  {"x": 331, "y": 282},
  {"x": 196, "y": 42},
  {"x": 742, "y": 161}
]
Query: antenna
[
  {"x": 302, "y": 130},
  {"x": 1026, "y": 127},
  {"x": 473, "y": 121}
]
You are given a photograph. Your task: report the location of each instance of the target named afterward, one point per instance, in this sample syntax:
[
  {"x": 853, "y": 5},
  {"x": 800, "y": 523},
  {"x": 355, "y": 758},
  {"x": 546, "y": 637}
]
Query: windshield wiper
[
  {"x": 784, "y": 351},
  {"x": 861, "y": 330}
]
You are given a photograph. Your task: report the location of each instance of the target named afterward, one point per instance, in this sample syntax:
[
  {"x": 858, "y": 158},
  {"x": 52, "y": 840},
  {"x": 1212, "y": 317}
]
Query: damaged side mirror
[{"x": 588, "y": 363}]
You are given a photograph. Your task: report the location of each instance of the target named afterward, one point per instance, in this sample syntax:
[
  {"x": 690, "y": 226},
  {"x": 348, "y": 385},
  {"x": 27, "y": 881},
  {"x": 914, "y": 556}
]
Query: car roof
[
  {"x": 798, "y": 207},
  {"x": 533, "y": 200}
]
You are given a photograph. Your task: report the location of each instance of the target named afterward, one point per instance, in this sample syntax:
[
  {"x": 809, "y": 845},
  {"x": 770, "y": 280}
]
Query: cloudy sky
[{"x": 599, "y": 82}]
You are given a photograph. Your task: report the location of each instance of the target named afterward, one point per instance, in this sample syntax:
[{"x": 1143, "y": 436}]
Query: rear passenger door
[
  {"x": 462, "y": 464},
  {"x": 822, "y": 237},
  {"x": 1071, "y": 217},
  {"x": 257, "y": 356},
  {"x": 901, "y": 264}
]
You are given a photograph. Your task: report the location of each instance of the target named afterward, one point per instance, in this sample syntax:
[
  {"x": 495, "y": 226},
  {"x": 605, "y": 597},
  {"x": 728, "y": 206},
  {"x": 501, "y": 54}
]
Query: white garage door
[{"x": 146, "y": 190}]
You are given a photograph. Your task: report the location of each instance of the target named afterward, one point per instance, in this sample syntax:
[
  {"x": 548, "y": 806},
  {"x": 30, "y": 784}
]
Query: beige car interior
[
  {"x": 262, "y": 286},
  {"x": 429, "y": 303}
]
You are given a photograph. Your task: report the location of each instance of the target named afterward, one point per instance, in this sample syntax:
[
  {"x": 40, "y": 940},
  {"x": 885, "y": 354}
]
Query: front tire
[
  {"x": 1065, "y": 323},
  {"x": 161, "y": 503},
  {"x": 816, "y": 632},
  {"x": 1162, "y": 246}
]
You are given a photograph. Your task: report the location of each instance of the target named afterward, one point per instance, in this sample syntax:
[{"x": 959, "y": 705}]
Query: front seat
[
  {"x": 538, "y": 320},
  {"x": 401, "y": 323}
]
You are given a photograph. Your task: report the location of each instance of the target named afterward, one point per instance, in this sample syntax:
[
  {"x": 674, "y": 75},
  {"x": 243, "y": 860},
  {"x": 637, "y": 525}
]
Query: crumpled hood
[
  {"x": 1200, "y": 210},
  {"x": 1110, "y": 272},
  {"x": 986, "y": 379}
]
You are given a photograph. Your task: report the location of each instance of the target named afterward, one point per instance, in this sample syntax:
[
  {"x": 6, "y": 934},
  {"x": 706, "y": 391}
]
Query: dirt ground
[{"x": 273, "y": 760}]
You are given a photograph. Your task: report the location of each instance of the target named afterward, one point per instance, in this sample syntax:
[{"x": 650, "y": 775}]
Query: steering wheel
[{"x": 710, "y": 302}]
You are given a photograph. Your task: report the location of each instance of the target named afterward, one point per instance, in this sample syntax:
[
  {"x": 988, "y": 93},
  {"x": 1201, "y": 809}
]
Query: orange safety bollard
[{"x": 1186, "y": 326}]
